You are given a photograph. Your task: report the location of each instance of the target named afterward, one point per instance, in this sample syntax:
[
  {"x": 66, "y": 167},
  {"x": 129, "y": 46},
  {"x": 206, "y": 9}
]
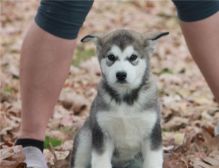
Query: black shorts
[
  {"x": 194, "y": 10},
  {"x": 64, "y": 18}
]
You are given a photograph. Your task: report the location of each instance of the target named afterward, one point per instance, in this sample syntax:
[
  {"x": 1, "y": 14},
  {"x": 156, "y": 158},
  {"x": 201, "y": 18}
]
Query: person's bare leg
[
  {"x": 202, "y": 38},
  {"x": 45, "y": 62}
]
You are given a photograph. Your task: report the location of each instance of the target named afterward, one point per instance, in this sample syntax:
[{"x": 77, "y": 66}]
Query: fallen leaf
[{"x": 12, "y": 157}]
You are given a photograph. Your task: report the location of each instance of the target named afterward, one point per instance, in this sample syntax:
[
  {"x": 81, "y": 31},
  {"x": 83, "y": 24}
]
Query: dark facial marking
[
  {"x": 123, "y": 40},
  {"x": 111, "y": 59},
  {"x": 133, "y": 57}
]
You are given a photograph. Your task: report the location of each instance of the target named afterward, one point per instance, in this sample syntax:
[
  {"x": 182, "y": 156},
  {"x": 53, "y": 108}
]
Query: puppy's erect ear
[
  {"x": 88, "y": 38},
  {"x": 156, "y": 36},
  {"x": 150, "y": 40},
  {"x": 96, "y": 38}
]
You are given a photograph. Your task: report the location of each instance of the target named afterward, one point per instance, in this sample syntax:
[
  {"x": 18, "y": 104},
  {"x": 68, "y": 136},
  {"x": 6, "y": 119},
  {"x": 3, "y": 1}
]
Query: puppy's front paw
[
  {"x": 101, "y": 164},
  {"x": 153, "y": 164}
]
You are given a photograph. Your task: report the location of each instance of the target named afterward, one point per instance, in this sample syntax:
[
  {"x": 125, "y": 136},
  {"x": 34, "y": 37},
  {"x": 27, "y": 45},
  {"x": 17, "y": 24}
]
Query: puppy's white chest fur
[{"x": 127, "y": 128}]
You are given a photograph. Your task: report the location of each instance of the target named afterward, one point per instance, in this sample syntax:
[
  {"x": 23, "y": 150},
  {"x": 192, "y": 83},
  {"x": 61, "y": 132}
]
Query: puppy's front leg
[
  {"x": 101, "y": 158},
  {"x": 152, "y": 149},
  {"x": 153, "y": 158},
  {"x": 102, "y": 149}
]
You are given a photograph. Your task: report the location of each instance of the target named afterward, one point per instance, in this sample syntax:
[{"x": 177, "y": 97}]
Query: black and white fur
[{"x": 125, "y": 117}]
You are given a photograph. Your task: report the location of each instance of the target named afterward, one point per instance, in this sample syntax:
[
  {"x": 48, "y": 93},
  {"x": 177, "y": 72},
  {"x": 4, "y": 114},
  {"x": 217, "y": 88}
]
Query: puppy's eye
[
  {"x": 133, "y": 57},
  {"x": 111, "y": 57}
]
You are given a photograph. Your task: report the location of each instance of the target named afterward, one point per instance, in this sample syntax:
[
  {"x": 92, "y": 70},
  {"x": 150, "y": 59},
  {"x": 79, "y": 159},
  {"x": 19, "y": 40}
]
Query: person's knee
[
  {"x": 189, "y": 11},
  {"x": 62, "y": 18}
]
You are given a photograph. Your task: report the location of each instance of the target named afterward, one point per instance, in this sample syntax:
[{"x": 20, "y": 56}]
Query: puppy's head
[{"x": 124, "y": 56}]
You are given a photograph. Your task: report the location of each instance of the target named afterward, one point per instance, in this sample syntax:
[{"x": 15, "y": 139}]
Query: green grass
[
  {"x": 81, "y": 55},
  {"x": 51, "y": 142},
  {"x": 9, "y": 89},
  {"x": 166, "y": 71}
]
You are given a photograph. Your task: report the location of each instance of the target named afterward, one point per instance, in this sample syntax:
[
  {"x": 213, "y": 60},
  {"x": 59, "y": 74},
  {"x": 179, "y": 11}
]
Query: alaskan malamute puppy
[{"x": 124, "y": 122}]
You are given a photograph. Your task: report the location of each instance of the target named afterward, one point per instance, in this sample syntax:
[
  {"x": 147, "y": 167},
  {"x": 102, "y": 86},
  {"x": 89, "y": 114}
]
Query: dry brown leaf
[
  {"x": 184, "y": 94},
  {"x": 91, "y": 66},
  {"x": 176, "y": 123},
  {"x": 176, "y": 136},
  {"x": 64, "y": 163},
  {"x": 12, "y": 157},
  {"x": 174, "y": 161},
  {"x": 72, "y": 100},
  {"x": 212, "y": 161}
]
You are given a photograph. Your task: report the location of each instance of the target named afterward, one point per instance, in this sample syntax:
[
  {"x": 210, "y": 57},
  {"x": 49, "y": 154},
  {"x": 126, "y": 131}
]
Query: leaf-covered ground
[{"x": 188, "y": 110}]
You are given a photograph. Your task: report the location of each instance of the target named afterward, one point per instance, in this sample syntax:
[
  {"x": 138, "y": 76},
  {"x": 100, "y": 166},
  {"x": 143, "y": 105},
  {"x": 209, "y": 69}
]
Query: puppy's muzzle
[{"x": 121, "y": 77}]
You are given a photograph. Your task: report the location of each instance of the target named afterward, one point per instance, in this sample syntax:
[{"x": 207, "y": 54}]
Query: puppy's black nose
[{"x": 121, "y": 76}]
